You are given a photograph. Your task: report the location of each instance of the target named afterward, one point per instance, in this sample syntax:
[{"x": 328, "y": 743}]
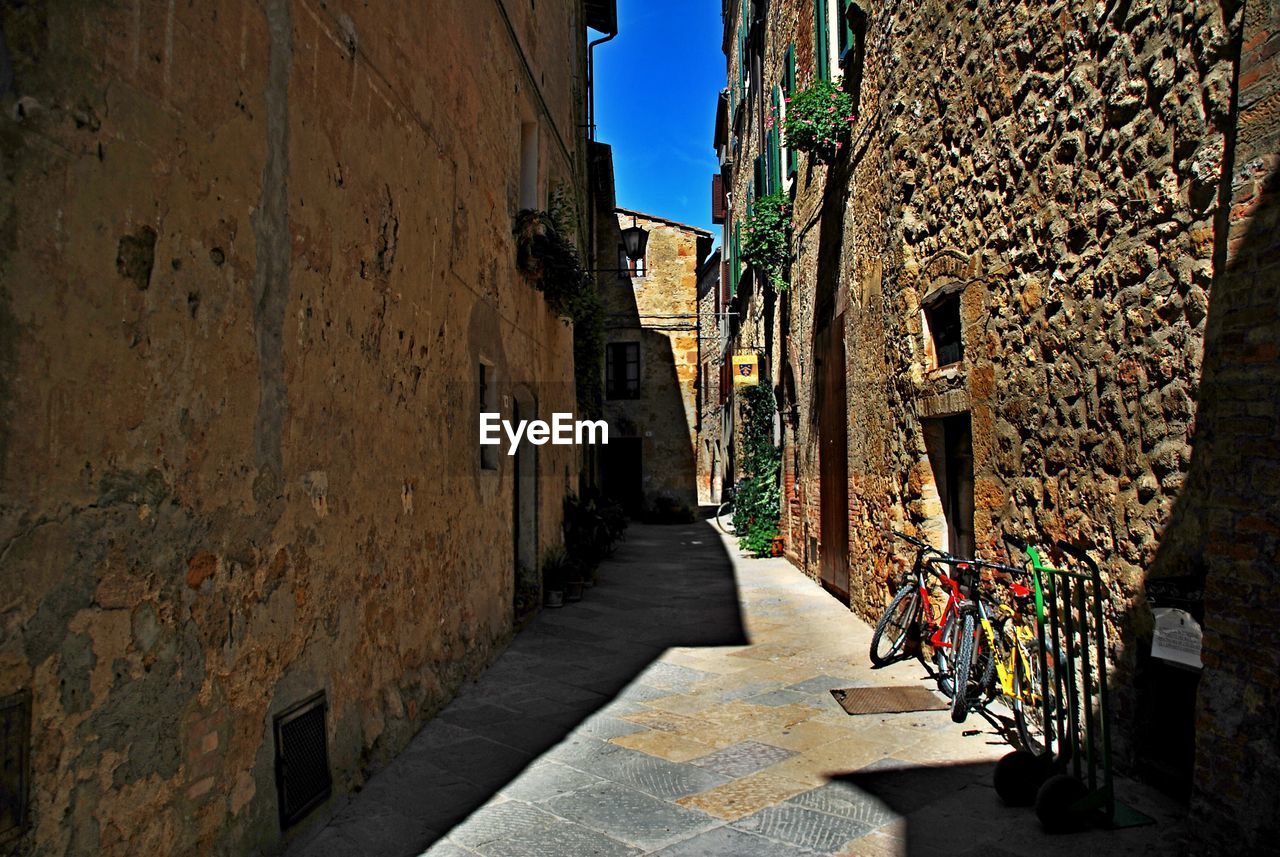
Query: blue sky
[{"x": 656, "y": 87}]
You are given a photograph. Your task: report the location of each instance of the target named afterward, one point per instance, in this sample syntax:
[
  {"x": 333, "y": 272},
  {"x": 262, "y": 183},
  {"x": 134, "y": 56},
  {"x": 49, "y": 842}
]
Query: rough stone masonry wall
[
  {"x": 660, "y": 311},
  {"x": 251, "y": 255},
  {"x": 708, "y": 384},
  {"x": 1063, "y": 162}
]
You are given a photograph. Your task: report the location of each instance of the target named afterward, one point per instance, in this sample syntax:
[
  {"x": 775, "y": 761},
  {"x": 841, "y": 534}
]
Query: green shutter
[
  {"x": 735, "y": 275},
  {"x": 846, "y": 32},
  {"x": 788, "y": 90},
  {"x": 775, "y": 146},
  {"x": 822, "y": 66}
]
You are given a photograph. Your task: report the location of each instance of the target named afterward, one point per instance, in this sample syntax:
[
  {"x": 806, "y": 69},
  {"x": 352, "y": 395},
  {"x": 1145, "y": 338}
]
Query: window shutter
[
  {"x": 775, "y": 146},
  {"x": 737, "y": 265},
  {"x": 717, "y": 199},
  {"x": 821, "y": 60},
  {"x": 788, "y": 90}
]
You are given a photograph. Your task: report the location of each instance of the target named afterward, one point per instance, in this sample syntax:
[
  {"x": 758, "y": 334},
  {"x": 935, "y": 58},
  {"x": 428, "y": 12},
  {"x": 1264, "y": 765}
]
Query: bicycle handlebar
[
  {"x": 983, "y": 563},
  {"x": 920, "y": 543}
]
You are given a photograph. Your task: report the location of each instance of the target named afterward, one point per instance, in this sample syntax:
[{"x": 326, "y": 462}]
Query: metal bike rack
[{"x": 1081, "y": 736}]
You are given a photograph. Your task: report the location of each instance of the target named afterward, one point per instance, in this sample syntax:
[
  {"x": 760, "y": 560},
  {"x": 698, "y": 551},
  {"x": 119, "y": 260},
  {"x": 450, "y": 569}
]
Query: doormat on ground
[{"x": 889, "y": 700}]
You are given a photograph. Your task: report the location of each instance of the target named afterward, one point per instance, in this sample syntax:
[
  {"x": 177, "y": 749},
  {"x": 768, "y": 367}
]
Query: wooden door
[{"x": 833, "y": 462}]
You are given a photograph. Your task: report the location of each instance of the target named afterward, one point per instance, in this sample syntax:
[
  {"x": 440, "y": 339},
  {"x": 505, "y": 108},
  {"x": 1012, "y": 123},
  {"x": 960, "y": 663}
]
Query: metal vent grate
[
  {"x": 15, "y": 767},
  {"x": 302, "y": 759}
]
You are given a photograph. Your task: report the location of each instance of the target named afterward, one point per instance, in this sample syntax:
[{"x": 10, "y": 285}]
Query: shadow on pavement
[{"x": 666, "y": 586}]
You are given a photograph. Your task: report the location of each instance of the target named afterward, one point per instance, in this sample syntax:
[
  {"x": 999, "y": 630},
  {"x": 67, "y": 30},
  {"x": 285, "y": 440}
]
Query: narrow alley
[
  {"x": 369, "y": 372},
  {"x": 683, "y": 708}
]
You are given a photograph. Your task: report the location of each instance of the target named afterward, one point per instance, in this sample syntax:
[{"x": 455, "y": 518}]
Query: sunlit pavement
[{"x": 640, "y": 721}]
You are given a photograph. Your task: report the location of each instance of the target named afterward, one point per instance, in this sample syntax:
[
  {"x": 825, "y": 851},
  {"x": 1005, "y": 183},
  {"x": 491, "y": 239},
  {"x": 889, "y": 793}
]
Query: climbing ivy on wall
[{"x": 757, "y": 496}]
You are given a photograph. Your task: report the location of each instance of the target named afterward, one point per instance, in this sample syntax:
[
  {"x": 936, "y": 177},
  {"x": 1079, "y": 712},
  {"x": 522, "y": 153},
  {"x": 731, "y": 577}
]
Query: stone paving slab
[
  {"x": 606, "y": 726},
  {"x": 658, "y": 777},
  {"x": 805, "y": 828},
  {"x": 821, "y": 684},
  {"x": 742, "y": 797},
  {"x": 742, "y": 759},
  {"x": 445, "y": 849},
  {"x": 563, "y": 838},
  {"x": 778, "y": 697},
  {"x": 631, "y": 816},
  {"x": 664, "y": 745},
  {"x": 545, "y": 781},
  {"x": 730, "y": 842},
  {"x": 848, "y": 802},
  {"x": 505, "y": 819}
]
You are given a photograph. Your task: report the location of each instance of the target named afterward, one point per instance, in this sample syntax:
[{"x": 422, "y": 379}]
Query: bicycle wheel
[
  {"x": 964, "y": 644},
  {"x": 944, "y": 658},
  {"x": 725, "y": 524},
  {"x": 1028, "y": 705},
  {"x": 895, "y": 625}
]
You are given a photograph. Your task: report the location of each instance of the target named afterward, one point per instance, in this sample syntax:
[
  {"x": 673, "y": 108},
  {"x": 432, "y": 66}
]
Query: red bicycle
[{"x": 911, "y": 618}]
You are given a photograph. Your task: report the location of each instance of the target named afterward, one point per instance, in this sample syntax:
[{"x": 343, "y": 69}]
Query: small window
[
  {"x": 853, "y": 49},
  {"x": 631, "y": 267},
  {"x": 622, "y": 370},
  {"x": 488, "y": 399},
  {"x": 942, "y": 317}
]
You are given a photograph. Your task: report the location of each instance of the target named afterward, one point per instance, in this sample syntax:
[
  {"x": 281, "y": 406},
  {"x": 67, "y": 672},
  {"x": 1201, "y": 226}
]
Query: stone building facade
[
  {"x": 998, "y": 317},
  {"x": 651, "y": 360},
  {"x": 711, "y": 452},
  {"x": 258, "y": 279}
]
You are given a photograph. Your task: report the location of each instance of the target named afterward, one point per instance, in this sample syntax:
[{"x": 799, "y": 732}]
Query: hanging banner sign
[{"x": 746, "y": 370}]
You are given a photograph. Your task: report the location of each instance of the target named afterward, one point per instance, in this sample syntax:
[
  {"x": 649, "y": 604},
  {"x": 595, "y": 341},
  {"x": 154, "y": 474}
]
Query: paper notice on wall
[{"x": 1177, "y": 637}]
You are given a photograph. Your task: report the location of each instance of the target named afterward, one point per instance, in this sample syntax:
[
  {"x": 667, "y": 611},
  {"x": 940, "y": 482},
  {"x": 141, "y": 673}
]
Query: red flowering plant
[{"x": 818, "y": 120}]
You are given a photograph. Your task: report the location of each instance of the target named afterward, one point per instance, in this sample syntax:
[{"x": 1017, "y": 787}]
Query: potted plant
[
  {"x": 555, "y": 574},
  {"x": 818, "y": 120},
  {"x": 575, "y": 583},
  {"x": 767, "y": 245}
]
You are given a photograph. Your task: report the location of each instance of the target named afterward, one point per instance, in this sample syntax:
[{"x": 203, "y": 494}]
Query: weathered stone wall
[
  {"x": 253, "y": 254},
  {"x": 710, "y": 453},
  {"x": 1061, "y": 166},
  {"x": 660, "y": 311}
]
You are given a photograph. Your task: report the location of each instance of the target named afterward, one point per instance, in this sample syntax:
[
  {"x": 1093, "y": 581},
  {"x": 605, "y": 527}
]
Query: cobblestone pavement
[{"x": 682, "y": 709}]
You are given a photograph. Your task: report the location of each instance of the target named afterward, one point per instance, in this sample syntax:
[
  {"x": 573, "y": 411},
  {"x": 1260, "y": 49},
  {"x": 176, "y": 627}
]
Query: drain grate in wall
[
  {"x": 15, "y": 763},
  {"x": 302, "y": 759}
]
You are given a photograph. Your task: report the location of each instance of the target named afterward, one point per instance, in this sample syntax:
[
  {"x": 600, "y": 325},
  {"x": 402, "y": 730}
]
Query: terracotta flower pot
[{"x": 777, "y": 546}]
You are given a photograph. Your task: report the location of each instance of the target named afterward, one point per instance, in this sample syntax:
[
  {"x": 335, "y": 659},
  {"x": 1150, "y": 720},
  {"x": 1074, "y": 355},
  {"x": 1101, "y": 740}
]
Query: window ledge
[{"x": 951, "y": 370}]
